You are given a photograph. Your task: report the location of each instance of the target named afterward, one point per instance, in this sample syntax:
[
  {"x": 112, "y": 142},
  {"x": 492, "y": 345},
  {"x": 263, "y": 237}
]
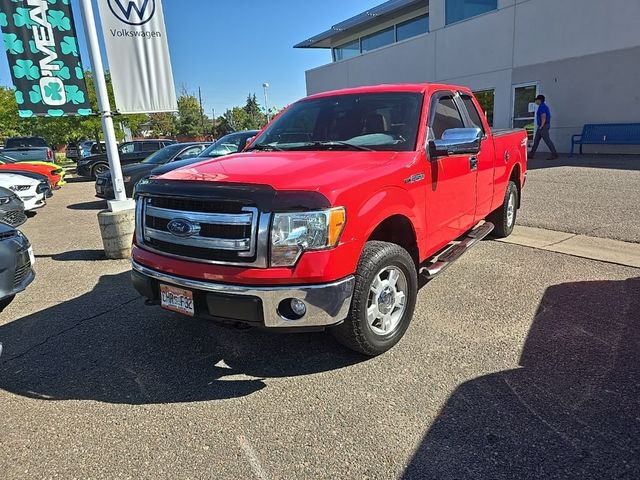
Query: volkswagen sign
[
  {"x": 133, "y": 12},
  {"x": 181, "y": 227}
]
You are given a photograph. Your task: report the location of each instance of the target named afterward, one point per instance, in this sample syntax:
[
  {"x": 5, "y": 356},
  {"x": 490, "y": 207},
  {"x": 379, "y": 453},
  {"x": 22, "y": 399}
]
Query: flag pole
[{"x": 121, "y": 202}]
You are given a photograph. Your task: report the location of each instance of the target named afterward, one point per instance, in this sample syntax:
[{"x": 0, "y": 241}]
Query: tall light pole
[
  {"x": 113, "y": 155},
  {"x": 265, "y": 86}
]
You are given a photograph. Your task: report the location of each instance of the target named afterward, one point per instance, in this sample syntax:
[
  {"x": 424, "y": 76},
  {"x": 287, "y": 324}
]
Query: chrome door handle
[{"x": 473, "y": 163}]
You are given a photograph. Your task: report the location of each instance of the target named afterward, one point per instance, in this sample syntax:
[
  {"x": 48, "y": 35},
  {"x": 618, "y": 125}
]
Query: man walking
[{"x": 543, "y": 116}]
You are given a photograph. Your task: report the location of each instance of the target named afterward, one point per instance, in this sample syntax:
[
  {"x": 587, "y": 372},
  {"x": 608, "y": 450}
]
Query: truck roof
[{"x": 386, "y": 88}]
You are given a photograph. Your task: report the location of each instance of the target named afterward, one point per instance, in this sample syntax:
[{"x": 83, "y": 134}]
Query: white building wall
[{"x": 523, "y": 41}]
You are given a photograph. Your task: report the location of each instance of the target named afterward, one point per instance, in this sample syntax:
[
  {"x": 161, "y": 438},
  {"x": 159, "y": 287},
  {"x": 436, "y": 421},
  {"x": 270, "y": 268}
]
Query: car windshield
[
  {"x": 26, "y": 142},
  {"x": 163, "y": 155},
  {"x": 227, "y": 145},
  {"x": 370, "y": 121}
]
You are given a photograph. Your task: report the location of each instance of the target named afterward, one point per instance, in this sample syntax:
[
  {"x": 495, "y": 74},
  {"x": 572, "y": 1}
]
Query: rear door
[
  {"x": 451, "y": 199},
  {"x": 485, "y": 159}
]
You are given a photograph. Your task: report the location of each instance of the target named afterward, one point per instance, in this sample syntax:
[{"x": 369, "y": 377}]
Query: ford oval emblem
[{"x": 183, "y": 228}]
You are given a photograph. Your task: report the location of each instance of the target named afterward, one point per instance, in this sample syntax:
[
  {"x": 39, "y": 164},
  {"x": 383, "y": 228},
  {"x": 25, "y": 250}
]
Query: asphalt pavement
[{"x": 519, "y": 363}]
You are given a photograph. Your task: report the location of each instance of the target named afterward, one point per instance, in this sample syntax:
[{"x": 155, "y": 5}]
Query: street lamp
[{"x": 265, "y": 86}]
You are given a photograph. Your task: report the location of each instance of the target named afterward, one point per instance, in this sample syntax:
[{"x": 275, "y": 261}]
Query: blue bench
[{"x": 607, "y": 134}]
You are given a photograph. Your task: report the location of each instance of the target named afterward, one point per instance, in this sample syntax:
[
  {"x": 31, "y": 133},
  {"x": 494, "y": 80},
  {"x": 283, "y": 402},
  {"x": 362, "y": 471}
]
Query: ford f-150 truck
[
  {"x": 332, "y": 214},
  {"x": 28, "y": 149}
]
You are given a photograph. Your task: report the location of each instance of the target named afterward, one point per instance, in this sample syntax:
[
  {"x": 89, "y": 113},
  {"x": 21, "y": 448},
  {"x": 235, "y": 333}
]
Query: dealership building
[{"x": 583, "y": 55}]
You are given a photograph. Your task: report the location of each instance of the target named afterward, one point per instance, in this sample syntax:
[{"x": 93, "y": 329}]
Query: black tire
[
  {"x": 504, "y": 218},
  {"x": 355, "y": 332},
  {"x": 98, "y": 169},
  {"x": 4, "y": 303}
]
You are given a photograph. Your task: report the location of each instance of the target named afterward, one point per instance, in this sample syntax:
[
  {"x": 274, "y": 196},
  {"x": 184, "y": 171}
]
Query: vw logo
[
  {"x": 133, "y": 12},
  {"x": 183, "y": 228}
]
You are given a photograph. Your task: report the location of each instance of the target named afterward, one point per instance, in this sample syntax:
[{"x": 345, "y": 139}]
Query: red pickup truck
[{"x": 329, "y": 218}]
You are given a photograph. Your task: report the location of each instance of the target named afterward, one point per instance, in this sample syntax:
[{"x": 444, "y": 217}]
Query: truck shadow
[
  {"x": 107, "y": 346},
  {"x": 570, "y": 411}
]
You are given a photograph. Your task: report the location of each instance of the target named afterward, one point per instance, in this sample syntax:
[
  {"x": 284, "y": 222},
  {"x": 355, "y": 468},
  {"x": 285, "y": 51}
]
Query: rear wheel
[
  {"x": 504, "y": 218},
  {"x": 99, "y": 169},
  {"x": 383, "y": 302}
]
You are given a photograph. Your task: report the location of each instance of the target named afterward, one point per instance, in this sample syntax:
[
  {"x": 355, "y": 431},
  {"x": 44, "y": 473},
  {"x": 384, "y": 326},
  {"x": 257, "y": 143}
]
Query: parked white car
[{"x": 31, "y": 191}]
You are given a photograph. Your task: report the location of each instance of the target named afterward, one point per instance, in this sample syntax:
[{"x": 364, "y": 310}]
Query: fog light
[{"x": 298, "y": 307}]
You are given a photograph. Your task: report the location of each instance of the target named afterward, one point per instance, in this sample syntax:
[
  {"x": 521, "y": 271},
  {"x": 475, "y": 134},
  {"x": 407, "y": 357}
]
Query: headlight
[
  {"x": 20, "y": 188},
  {"x": 126, "y": 179},
  {"x": 5, "y": 200},
  {"x": 58, "y": 171},
  {"x": 293, "y": 233}
]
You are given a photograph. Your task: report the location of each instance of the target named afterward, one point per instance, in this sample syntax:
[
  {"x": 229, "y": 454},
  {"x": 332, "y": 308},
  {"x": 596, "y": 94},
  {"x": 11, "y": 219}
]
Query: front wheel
[
  {"x": 383, "y": 301},
  {"x": 99, "y": 169}
]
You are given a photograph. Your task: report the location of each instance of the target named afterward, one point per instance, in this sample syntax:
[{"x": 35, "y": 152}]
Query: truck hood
[{"x": 306, "y": 170}]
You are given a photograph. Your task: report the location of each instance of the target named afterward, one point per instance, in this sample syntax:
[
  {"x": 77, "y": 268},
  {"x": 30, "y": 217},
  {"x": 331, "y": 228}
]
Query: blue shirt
[{"x": 543, "y": 109}]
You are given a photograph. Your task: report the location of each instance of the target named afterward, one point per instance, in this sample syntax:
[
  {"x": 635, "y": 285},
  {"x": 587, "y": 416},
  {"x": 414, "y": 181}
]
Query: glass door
[{"x": 524, "y": 116}]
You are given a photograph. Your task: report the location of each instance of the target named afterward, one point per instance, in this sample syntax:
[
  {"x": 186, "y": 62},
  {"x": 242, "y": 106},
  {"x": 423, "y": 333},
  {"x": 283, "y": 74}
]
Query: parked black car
[
  {"x": 130, "y": 152},
  {"x": 11, "y": 208},
  {"x": 16, "y": 264},
  {"x": 232, "y": 143},
  {"x": 132, "y": 174}
]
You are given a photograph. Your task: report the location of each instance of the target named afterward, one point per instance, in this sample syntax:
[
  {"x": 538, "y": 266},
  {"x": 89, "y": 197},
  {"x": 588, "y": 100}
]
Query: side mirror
[{"x": 456, "y": 141}]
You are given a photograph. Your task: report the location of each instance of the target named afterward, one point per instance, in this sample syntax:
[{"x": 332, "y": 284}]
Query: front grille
[
  {"x": 14, "y": 218},
  {"x": 101, "y": 181},
  {"x": 213, "y": 231},
  {"x": 22, "y": 271}
]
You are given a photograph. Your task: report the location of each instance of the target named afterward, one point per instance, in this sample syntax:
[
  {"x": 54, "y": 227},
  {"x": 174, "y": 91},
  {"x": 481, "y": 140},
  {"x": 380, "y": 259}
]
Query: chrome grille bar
[
  {"x": 199, "y": 217},
  {"x": 243, "y": 244}
]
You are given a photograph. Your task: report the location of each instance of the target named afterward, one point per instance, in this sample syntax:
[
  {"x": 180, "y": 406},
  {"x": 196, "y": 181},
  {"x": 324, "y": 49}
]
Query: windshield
[
  {"x": 26, "y": 142},
  {"x": 377, "y": 121},
  {"x": 162, "y": 156},
  {"x": 232, "y": 143}
]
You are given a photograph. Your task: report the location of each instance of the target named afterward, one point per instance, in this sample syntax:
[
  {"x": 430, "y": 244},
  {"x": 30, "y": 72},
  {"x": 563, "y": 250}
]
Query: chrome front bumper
[{"x": 327, "y": 304}]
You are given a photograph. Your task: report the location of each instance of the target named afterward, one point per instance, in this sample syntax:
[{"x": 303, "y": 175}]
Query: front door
[
  {"x": 524, "y": 116},
  {"x": 451, "y": 198}
]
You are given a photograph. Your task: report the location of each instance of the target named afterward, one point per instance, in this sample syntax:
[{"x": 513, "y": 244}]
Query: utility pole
[
  {"x": 121, "y": 202},
  {"x": 213, "y": 123},
  {"x": 265, "y": 86},
  {"x": 201, "y": 111}
]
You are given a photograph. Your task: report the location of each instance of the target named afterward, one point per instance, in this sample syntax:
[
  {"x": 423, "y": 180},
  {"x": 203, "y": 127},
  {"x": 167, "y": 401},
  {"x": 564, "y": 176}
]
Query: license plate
[
  {"x": 177, "y": 300},
  {"x": 32, "y": 257},
  {"x": 99, "y": 189}
]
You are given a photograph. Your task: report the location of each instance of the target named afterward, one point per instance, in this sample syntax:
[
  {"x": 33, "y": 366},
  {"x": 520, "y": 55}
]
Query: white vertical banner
[{"x": 136, "y": 42}]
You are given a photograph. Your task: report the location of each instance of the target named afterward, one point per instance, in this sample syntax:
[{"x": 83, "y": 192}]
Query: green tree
[
  {"x": 191, "y": 117},
  {"x": 163, "y": 124}
]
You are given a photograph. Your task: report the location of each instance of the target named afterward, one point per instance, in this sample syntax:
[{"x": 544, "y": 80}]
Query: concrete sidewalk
[{"x": 594, "y": 248}]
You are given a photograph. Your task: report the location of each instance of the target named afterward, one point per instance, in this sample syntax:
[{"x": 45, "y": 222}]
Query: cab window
[
  {"x": 474, "y": 116},
  {"x": 446, "y": 117}
]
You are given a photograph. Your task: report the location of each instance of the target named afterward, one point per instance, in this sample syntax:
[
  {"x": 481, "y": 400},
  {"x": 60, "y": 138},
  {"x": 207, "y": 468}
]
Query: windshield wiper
[
  {"x": 264, "y": 146},
  {"x": 337, "y": 143}
]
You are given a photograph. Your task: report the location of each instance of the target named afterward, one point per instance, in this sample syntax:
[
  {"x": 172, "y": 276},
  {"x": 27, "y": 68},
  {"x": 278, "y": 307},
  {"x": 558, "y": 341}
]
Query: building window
[
  {"x": 412, "y": 28},
  {"x": 457, "y": 10},
  {"x": 348, "y": 50},
  {"x": 473, "y": 112},
  {"x": 486, "y": 99},
  {"x": 378, "y": 39}
]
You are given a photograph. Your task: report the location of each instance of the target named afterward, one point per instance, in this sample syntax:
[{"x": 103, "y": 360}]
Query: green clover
[
  {"x": 63, "y": 72},
  {"x": 53, "y": 2},
  {"x": 25, "y": 113},
  {"x": 53, "y": 91},
  {"x": 32, "y": 47},
  {"x": 84, "y": 111},
  {"x": 3, "y": 20},
  {"x": 13, "y": 44},
  {"x": 55, "y": 112},
  {"x": 69, "y": 46},
  {"x": 74, "y": 94},
  {"x": 79, "y": 73},
  {"x": 19, "y": 97},
  {"x": 26, "y": 68},
  {"x": 35, "y": 96},
  {"x": 21, "y": 18},
  {"x": 58, "y": 20}
]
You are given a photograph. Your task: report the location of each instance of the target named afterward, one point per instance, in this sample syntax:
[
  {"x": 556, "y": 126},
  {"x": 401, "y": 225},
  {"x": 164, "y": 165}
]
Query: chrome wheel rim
[
  {"x": 387, "y": 300},
  {"x": 100, "y": 169},
  {"x": 511, "y": 209}
]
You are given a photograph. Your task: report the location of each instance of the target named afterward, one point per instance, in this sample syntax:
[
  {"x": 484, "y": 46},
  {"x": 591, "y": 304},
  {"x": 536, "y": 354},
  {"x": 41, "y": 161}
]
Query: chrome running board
[{"x": 454, "y": 251}]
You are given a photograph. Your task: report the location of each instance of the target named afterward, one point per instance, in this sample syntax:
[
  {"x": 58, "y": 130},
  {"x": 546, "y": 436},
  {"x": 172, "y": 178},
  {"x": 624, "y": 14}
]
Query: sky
[{"x": 229, "y": 48}]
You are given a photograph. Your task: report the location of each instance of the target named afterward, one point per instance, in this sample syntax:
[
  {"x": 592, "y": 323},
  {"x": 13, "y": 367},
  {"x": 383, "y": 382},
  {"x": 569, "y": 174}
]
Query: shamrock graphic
[
  {"x": 53, "y": 2},
  {"x": 74, "y": 94},
  {"x": 3, "y": 20},
  {"x": 32, "y": 47},
  {"x": 19, "y": 97},
  {"x": 53, "y": 91},
  {"x": 55, "y": 112},
  {"x": 69, "y": 46},
  {"x": 13, "y": 44},
  {"x": 58, "y": 20},
  {"x": 79, "y": 72},
  {"x": 35, "y": 96},
  {"x": 63, "y": 72},
  {"x": 26, "y": 68},
  {"x": 21, "y": 18}
]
